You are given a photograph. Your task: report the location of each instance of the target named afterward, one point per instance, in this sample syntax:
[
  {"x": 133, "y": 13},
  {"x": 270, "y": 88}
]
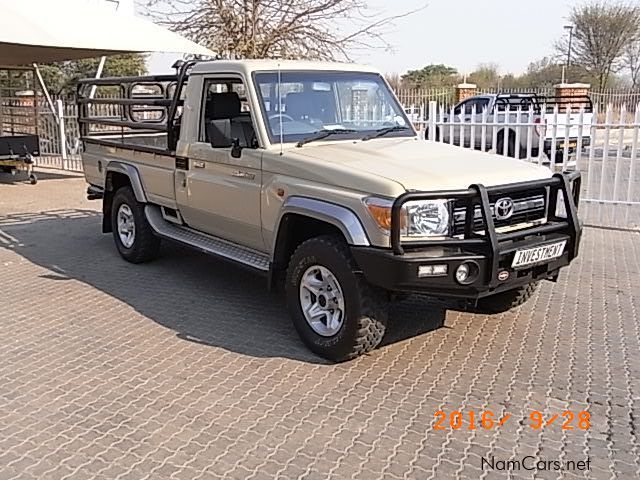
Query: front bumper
[
  {"x": 491, "y": 252},
  {"x": 400, "y": 273}
]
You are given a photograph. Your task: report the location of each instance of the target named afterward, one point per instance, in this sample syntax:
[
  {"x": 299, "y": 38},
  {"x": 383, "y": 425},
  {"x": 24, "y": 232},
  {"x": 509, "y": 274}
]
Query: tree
[
  {"x": 394, "y": 80},
  {"x": 602, "y": 31},
  {"x": 316, "y": 29},
  {"x": 431, "y": 76},
  {"x": 545, "y": 72},
  {"x": 632, "y": 61},
  {"x": 486, "y": 75},
  {"x": 61, "y": 77}
]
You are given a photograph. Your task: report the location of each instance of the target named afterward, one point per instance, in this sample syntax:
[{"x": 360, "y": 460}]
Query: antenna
[{"x": 280, "y": 109}]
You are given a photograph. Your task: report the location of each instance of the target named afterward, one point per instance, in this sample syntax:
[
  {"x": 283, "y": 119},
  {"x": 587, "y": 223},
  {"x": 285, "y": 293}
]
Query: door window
[
  {"x": 227, "y": 114},
  {"x": 479, "y": 104}
]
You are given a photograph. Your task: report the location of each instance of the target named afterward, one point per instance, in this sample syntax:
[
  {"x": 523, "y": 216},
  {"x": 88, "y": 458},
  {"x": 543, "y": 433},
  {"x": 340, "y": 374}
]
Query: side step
[{"x": 205, "y": 243}]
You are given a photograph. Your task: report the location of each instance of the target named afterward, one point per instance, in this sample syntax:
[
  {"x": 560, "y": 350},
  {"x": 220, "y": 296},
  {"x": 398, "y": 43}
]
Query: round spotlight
[
  {"x": 462, "y": 273},
  {"x": 467, "y": 272}
]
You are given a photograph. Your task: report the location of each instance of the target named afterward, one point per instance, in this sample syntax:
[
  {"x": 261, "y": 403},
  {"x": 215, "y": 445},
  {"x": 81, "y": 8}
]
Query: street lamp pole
[{"x": 570, "y": 29}]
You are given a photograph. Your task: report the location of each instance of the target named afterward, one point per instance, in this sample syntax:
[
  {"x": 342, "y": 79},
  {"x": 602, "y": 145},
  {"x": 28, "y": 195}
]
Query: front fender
[{"x": 338, "y": 216}]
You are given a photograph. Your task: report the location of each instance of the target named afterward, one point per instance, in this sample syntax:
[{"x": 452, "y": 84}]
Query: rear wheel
[
  {"x": 558, "y": 156},
  {"x": 337, "y": 314},
  {"x": 132, "y": 233}
]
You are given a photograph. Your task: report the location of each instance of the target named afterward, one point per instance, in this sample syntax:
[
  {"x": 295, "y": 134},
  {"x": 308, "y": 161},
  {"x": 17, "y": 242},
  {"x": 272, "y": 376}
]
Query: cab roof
[{"x": 249, "y": 66}]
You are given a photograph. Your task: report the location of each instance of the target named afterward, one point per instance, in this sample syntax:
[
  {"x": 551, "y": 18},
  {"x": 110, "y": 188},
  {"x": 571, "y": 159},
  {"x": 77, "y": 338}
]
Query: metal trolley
[
  {"x": 19, "y": 140},
  {"x": 16, "y": 155}
]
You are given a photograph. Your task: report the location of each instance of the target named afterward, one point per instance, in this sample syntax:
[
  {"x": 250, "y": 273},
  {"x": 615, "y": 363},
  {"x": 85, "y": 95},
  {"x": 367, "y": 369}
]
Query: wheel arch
[
  {"x": 119, "y": 175},
  {"x": 510, "y": 134},
  {"x": 303, "y": 218}
]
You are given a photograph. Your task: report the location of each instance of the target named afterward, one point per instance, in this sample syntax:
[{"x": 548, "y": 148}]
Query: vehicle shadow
[{"x": 202, "y": 299}]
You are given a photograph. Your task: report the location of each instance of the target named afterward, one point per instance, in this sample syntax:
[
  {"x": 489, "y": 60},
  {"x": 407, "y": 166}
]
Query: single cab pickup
[{"x": 311, "y": 174}]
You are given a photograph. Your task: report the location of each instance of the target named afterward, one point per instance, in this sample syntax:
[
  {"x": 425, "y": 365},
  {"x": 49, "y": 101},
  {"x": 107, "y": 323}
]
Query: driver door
[{"x": 223, "y": 182}]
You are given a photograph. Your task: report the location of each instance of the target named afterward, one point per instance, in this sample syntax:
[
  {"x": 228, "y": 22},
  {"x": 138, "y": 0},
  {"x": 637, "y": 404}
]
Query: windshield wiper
[
  {"x": 324, "y": 134},
  {"x": 383, "y": 131}
]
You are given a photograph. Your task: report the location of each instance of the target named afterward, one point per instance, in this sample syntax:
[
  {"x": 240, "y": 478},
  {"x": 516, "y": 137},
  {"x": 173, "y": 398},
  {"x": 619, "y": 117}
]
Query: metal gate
[{"x": 59, "y": 137}]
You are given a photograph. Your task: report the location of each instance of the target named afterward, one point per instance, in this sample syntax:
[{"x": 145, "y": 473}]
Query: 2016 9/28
[{"x": 488, "y": 420}]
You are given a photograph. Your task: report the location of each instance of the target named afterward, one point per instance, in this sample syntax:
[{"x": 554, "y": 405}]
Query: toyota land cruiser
[{"x": 311, "y": 174}]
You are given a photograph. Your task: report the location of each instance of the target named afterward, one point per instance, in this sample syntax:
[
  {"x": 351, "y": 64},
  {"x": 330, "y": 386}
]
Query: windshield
[{"x": 317, "y": 101}]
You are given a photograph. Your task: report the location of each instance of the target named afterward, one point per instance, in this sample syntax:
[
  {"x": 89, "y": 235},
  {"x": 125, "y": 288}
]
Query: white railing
[
  {"x": 445, "y": 96},
  {"x": 604, "y": 146}
]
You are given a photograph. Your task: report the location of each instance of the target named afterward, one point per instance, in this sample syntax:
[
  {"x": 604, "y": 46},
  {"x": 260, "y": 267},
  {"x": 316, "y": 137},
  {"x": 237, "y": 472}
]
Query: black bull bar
[{"x": 488, "y": 241}]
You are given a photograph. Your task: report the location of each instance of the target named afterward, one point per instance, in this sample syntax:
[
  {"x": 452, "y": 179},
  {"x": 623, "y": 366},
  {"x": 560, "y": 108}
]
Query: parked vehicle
[
  {"x": 519, "y": 124},
  {"x": 414, "y": 114},
  {"x": 283, "y": 167}
]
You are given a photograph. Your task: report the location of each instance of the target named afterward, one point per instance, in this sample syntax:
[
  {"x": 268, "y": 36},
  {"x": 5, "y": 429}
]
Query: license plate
[
  {"x": 569, "y": 144},
  {"x": 536, "y": 255}
]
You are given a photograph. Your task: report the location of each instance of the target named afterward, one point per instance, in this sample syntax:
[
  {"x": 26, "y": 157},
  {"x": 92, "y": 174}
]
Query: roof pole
[
  {"x": 103, "y": 59},
  {"x": 45, "y": 91},
  {"x": 98, "y": 75}
]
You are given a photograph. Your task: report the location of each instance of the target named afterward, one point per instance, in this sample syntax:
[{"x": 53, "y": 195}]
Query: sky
[{"x": 460, "y": 33}]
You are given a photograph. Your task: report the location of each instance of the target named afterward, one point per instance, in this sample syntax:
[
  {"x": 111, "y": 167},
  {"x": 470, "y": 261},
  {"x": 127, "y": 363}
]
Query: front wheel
[
  {"x": 335, "y": 311},
  {"x": 132, "y": 233},
  {"x": 512, "y": 151},
  {"x": 436, "y": 134}
]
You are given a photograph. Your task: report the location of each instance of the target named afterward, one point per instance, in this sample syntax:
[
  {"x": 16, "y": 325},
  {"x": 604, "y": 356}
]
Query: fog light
[
  {"x": 467, "y": 272},
  {"x": 462, "y": 273},
  {"x": 432, "y": 270}
]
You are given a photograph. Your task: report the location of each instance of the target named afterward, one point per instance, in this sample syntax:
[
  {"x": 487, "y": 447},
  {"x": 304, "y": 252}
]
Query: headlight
[
  {"x": 427, "y": 218},
  {"x": 420, "y": 218}
]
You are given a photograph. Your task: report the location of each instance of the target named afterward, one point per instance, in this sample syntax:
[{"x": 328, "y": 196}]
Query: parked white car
[{"x": 518, "y": 125}]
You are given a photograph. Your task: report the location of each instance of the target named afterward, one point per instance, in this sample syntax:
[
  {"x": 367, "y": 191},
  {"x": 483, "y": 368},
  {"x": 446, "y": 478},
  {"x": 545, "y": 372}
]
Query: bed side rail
[{"x": 128, "y": 106}]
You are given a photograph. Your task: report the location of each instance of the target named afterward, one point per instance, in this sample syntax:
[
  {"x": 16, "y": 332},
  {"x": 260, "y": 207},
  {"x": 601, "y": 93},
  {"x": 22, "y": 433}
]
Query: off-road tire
[
  {"x": 505, "y": 301},
  {"x": 146, "y": 244},
  {"x": 366, "y": 307}
]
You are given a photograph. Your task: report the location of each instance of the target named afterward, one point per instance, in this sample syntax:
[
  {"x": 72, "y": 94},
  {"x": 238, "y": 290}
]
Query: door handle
[
  {"x": 198, "y": 164},
  {"x": 241, "y": 174}
]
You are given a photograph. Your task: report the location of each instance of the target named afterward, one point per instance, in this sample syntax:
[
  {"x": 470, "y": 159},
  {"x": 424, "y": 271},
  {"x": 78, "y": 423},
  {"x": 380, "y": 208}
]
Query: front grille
[{"x": 529, "y": 206}]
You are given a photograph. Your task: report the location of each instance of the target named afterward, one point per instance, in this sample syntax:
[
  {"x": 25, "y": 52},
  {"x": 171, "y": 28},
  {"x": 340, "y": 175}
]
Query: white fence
[
  {"x": 445, "y": 96},
  {"x": 603, "y": 146}
]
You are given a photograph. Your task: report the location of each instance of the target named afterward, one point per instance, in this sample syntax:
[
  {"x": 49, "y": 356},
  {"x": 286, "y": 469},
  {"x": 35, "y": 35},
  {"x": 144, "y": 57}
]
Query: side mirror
[{"x": 236, "y": 149}]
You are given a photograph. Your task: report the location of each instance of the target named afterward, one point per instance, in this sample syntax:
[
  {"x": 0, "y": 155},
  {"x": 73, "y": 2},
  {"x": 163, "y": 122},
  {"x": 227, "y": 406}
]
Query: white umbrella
[{"x": 39, "y": 31}]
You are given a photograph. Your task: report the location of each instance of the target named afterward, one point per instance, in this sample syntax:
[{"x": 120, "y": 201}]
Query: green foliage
[
  {"x": 431, "y": 76},
  {"x": 486, "y": 76},
  {"x": 61, "y": 77}
]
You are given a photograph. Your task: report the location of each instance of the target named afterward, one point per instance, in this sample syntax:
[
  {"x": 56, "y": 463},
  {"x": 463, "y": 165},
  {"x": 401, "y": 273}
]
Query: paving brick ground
[{"x": 186, "y": 368}]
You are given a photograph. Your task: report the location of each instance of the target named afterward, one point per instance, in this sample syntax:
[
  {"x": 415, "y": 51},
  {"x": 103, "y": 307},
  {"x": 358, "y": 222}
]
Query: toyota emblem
[{"x": 504, "y": 208}]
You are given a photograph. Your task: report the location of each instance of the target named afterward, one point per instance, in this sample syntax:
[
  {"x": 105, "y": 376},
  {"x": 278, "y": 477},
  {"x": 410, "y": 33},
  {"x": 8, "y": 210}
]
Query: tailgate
[{"x": 567, "y": 126}]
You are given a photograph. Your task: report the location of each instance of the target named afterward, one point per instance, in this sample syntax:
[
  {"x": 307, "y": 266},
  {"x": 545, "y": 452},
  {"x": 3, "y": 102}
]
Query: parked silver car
[{"x": 517, "y": 125}]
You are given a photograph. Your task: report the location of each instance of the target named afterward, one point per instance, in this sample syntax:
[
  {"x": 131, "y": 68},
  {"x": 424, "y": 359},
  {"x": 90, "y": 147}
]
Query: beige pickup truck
[{"x": 311, "y": 174}]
